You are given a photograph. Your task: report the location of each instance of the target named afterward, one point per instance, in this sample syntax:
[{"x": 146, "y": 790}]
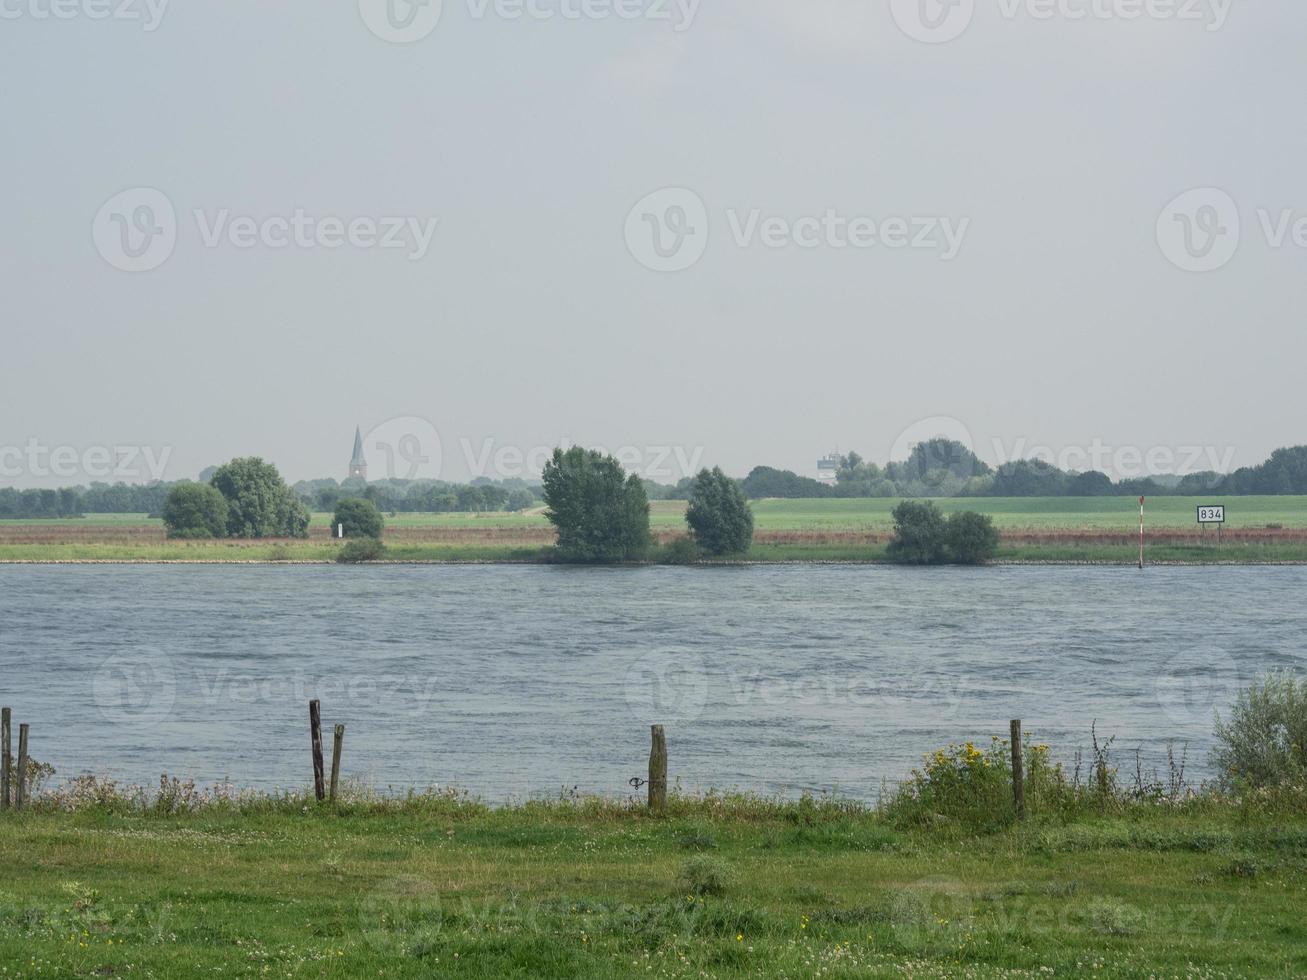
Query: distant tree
[
  {"x": 195, "y": 510},
  {"x": 1029, "y": 478},
  {"x": 1196, "y": 484},
  {"x": 360, "y": 519},
  {"x": 720, "y": 520},
  {"x": 920, "y": 534},
  {"x": 948, "y": 455},
  {"x": 520, "y": 500},
  {"x": 259, "y": 504},
  {"x": 972, "y": 539},
  {"x": 1091, "y": 484},
  {"x": 766, "y": 481},
  {"x": 601, "y": 514}
]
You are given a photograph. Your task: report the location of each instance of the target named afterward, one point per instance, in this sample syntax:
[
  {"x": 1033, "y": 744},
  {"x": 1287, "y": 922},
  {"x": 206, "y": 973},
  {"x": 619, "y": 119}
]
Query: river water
[{"x": 518, "y": 681}]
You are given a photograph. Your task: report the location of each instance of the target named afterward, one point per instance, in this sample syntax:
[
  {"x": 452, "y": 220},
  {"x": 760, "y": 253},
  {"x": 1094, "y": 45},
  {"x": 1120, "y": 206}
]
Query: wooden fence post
[
  {"x": 1018, "y": 772},
  {"x": 335, "y": 759},
  {"x": 658, "y": 771},
  {"x": 6, "y": 756},
  {"x": 20, "y": 795},
  {"x": 315, "y": 729}
]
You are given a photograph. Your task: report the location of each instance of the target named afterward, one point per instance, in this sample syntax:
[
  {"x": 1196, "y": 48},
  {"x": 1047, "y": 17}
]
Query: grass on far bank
[
  {"x": 326, "y": 551},
  {"x": 720, "y": 887}
]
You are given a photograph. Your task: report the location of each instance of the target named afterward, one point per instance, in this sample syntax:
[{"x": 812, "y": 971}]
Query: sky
[{"x": 727, "y": 232}]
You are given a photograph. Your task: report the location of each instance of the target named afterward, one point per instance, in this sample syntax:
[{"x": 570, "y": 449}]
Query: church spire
[{"x": 358, "y": 465}]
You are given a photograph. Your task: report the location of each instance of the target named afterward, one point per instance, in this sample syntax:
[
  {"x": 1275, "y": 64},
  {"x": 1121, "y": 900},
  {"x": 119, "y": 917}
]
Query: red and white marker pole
[{"x": 1141, "y": 533}]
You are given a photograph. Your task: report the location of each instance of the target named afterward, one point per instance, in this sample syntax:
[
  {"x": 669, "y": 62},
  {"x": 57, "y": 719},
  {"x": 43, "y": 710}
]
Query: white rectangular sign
[{"x": 1211, "y": 514}]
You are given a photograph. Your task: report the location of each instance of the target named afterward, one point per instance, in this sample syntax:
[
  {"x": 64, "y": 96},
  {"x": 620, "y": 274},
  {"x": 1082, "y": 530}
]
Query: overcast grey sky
[{"x": 1037, "y": 291}]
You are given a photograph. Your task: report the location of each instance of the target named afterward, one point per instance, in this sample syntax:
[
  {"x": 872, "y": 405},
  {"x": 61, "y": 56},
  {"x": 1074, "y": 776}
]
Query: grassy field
[
  {"x": 1260, "y": 529},
  {"x": 715, "y": 889}
]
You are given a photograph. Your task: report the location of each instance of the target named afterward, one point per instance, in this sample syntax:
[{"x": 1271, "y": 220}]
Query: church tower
[{"x": 358, "y": 465}]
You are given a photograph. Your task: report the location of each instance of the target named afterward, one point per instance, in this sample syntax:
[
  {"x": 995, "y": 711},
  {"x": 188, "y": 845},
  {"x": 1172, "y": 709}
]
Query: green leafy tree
[
  {"x": 920, "y": 534},
  {"x": 720, "y": 520},
  {"x": 601, "y": 514},
  {"x": 359, "y": 518},
  {"x": 259, "y": 504},
  {"x": 972, "y": 539},
  {"x": 195, "y": 510}
]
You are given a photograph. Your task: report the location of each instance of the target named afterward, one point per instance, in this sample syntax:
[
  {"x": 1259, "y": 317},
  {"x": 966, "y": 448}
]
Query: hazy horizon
[{"x": 741, "y": 233}]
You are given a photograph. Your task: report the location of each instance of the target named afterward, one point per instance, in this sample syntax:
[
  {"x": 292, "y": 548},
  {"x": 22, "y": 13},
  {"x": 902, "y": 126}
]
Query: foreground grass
[{"x": 716, "y": 889}]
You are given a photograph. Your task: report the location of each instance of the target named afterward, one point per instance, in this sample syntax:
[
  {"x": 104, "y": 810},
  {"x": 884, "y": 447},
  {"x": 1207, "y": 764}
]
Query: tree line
[
  {"x": 945, "y": 468},
  {"x": 935, "y": 468}
]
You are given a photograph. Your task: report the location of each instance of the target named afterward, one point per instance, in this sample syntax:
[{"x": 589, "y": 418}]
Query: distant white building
[{"x": 828, "y": 468}]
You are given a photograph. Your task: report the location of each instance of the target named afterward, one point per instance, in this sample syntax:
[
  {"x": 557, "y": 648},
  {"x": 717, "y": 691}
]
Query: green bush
[
  {"x": 195, "y": 510},
  {"x": 361, "y": 550},
  {"x": 971, "y": 788},
  {"x": 718, "y": 514},
  {"x": 972, "y": 538},
  {"x": 1264, "y": 744},
  {"x": 679, "y": 551},
  {"x": 705, "y": 875},
  {"x": 360, "y": 519},
  {"x": 920, "y": 534},
  {"x": 601, "y": 514}
]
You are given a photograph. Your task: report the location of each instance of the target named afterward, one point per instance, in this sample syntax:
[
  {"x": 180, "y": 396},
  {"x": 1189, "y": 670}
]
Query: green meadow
[{"x": 718, "y": 887}]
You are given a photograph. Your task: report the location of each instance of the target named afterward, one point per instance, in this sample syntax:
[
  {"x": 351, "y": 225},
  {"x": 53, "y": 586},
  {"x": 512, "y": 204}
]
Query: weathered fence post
[
  {"x": 20, "y": 795},
  {"x": 658, "y": 771},
  {"x": 1018, "y": 772},
  {"x": 6, "y": 756},
  {"x": 335, "y": 759},
  {"x": 315, "y": 728}
]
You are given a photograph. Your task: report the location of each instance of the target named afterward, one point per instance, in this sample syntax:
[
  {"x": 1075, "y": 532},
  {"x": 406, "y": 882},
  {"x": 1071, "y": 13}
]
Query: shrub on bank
[
  {"x": 920, "y": 534},
  {"x": 972, "y": 538},
  {"x": 361, "y": 550},
  {"x": 1264, "y": 744},
  {"x": 678, "y": 551},
  {"x": 193, "y": 511},
  {"x": 923, "y": 536}
]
